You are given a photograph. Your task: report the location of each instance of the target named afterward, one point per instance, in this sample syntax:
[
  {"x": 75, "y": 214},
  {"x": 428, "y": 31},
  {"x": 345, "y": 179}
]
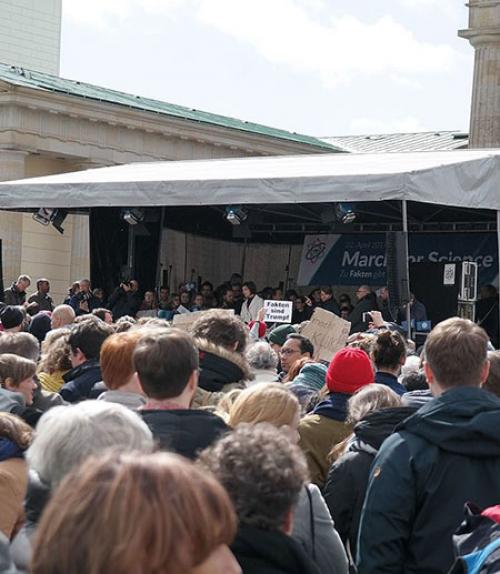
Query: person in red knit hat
[{"x": 325, "y": 427}]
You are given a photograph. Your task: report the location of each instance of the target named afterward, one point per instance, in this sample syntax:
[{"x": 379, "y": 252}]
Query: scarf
[
  {"x": 334, "y": 407},
  {"x": 9, "y": 449}
]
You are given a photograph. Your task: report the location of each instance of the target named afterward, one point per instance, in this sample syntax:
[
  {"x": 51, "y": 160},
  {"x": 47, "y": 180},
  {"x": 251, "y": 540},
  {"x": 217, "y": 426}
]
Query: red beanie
[{"x": 349, "y": 370}]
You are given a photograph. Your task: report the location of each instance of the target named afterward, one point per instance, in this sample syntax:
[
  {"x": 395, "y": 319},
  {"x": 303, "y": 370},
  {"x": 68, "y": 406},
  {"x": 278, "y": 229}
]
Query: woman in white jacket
[{"x": 252, "y": 303}]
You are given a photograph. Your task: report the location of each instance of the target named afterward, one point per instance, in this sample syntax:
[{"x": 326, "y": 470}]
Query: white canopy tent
[
  {"x": 457, "y": 178},
  {"x": 468, "y": 179}
]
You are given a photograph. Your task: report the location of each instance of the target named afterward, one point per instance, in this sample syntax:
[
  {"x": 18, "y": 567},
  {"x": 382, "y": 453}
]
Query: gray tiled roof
[{"x": 420, "y": 141}]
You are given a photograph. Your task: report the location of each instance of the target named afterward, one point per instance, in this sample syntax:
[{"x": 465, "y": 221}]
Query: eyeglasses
[{"x": 288, "y": 351}]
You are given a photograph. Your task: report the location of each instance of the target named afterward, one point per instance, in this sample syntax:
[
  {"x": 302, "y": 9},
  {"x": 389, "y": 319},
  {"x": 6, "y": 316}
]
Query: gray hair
[
  {"x": 65, "y": 313},
  {"x": 262, "y": 471},
  {"x": 369, "y": 399},
  {"x": 22, "y": 344},
  {"x": 67, "y": 435},
  {"x": 260, "y": 355}
]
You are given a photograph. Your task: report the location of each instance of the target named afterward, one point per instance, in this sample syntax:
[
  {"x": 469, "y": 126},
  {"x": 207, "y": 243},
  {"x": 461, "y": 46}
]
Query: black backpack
[{"x": 477, "y": 544}]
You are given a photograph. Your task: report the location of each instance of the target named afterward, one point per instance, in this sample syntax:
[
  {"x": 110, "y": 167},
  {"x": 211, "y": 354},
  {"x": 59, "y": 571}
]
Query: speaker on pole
[{"x": 398, "y": 275}]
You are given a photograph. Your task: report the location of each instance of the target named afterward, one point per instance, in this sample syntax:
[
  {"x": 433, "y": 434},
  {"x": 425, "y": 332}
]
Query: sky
[{"x": 319, "y": 67}]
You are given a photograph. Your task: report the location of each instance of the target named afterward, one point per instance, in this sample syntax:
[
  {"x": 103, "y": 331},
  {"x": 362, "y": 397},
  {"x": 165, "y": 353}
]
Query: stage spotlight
[
  {"x": 133, "y": 216},
  {"x": 235, "y": 215},
  {"x": 345, "y": 213},
  {"x": 46, "y": 216}
]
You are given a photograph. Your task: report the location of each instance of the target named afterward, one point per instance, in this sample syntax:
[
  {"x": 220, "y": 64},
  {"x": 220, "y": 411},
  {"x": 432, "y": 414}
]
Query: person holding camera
[
  {"x": 82, "y": 301},
  {"x": 125, "y": 300}
]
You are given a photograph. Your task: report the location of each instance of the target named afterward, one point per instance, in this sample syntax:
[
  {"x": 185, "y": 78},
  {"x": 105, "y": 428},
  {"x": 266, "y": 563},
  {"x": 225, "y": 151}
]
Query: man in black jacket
[
  {"x": 221, "y": 339},
  {"x": 367, "y": 301},
  {"x": 328, "y": 302},
  {"x": 446, "y": 454},
  {"x": 167, "y": 365},
  {"x": 16, "y": 293},
  {"x": 125, "y": 300},
  {"x": 85, "y": 340}
]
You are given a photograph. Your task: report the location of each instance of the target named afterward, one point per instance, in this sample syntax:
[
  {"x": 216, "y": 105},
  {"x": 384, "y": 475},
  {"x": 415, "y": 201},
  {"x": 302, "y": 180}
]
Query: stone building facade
[{"x": 50, "y": 125}]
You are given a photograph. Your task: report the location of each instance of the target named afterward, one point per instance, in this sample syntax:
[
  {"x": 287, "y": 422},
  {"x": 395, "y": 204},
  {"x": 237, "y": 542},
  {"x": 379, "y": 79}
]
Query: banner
[{"x": 354, "y": 259}]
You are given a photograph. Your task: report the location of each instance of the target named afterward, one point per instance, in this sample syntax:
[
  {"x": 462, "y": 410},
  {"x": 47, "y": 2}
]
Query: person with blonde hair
[
  {"x": 55, "y": 360},
  {"x": 272, "y": 403},
  {"x": 15, "y": 438},
  {"x": 114, "y": 515},
  {"x": 375, "y": 411}
]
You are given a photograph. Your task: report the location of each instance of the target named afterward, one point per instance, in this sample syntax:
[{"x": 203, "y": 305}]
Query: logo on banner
[{"x": 315, "y": 250}]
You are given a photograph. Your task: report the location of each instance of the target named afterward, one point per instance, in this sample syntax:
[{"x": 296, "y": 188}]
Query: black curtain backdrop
[{"x": 109, "y": 249}]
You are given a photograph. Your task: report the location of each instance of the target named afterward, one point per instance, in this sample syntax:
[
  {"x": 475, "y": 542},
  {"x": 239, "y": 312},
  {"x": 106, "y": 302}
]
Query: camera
[{"x": 367, "y": 318}]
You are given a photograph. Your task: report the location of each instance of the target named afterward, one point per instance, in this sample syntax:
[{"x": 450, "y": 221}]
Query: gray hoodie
[{"x": 10, "y": 400}]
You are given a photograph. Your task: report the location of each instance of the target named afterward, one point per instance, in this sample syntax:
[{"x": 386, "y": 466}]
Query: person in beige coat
[{"x": 15, "y": 437}]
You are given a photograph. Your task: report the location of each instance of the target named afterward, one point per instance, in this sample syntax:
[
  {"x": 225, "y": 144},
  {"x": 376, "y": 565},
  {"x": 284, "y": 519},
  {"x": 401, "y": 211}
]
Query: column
[
  {"x": 12, "y": 166},
  {"x": 484, "y": 35}
]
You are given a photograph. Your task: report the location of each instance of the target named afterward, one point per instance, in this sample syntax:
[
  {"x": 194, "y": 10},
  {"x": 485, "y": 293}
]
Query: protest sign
[
  {"x": 185, "y": 321},
  {"x": 278, "y": 311},
  {"x": 150, "y": 314},
  {"x": 327, "y": 332}
]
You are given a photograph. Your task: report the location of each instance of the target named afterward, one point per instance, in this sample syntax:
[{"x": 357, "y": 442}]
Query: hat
[
  {"x": 11, "y": 317},
  {"x": 278, "y": 336},
  {"x": 349, "y": 370},
  {"x": 312, "y": 376},
  {"x": 40, "y": 325},
  {"x": 262, "y": 328}
]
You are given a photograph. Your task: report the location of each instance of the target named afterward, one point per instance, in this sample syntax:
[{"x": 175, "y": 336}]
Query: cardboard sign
[
  {"x": 327, "y": 332},
  {"x": 278, "y": 311},
  {"x": 185, "y": 321}
]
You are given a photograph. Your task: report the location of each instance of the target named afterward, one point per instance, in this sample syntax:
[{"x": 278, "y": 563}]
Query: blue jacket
[
  {"x": 80, "y": 381},
  {"x": 444, "y": 455},
  {"x": 390, "y": 381}
]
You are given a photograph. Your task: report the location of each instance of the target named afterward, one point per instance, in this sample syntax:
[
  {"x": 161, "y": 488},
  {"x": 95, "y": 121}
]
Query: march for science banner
[{"x": 352, "y": 259}]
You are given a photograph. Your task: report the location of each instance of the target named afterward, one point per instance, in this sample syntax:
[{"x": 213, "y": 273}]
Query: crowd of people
[{"x": 130, "y": 446}]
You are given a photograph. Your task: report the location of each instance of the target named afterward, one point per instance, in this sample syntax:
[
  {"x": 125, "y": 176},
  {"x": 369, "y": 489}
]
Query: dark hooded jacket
[
  {"x": 365, "y": 305},
  {"x": 184, "y": 431},
  {"x": 220, "y": 367},
  {"x": 123, "y": 303},
  {"x": 348, "y": 477},
  {"x": 261, "y": 551},
  {"x": 444, "y": 455},
  {"x": 79, "y": 382}
]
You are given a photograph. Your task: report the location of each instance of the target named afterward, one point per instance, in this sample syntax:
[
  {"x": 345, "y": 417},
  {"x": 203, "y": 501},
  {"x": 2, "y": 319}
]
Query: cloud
[
  {"x": 336, "y": 48},
  {"x": 366, "y": 125},
  {"x": 110, "y": 13}
]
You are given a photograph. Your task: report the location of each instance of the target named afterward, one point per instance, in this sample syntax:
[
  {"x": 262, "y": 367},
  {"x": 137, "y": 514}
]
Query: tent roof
[{"x": 460, "y": 178}]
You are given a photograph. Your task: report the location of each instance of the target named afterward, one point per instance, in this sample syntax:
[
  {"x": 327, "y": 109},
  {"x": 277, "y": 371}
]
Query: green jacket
[{"x": 318, "y": 435}]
